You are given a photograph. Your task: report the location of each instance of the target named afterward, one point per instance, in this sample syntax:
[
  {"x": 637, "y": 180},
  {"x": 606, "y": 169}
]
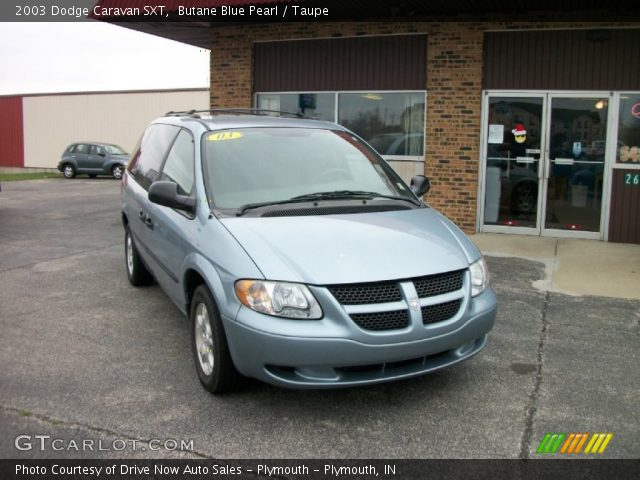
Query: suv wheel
[
  {"x": 68, "y": 171},
  {"x": 210, "y": 349},
  {"x": 137, "y": 273},
  {"x": 117, "y": 171}
]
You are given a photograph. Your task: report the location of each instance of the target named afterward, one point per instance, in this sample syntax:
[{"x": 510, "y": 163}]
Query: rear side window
[
  {"x": 179, "y": 165},
  {"x": 80, "y": 148},
  {"x": 145, "y": 166}
]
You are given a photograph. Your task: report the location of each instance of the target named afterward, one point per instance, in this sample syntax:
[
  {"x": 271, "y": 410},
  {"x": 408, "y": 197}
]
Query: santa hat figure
[{"x": 519, "y": 133}]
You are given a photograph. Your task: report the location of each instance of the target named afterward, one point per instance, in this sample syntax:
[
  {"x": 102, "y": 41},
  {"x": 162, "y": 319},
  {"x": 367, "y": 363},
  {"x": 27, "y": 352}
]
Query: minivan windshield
[{"x": 260, "y": 165}]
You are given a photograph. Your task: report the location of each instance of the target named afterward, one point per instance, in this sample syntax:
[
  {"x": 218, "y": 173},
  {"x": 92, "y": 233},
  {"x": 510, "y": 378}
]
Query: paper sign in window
[{"x": 496, "y": 133}]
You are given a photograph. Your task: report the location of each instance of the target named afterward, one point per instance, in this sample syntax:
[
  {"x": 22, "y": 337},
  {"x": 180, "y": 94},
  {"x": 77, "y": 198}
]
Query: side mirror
[
  {"x": 420, "y": 185},
  {"x": 166, "y": 194}
]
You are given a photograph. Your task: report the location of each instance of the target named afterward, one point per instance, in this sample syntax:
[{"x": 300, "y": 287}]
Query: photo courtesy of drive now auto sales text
[
  {"x": 193, "y": 468},
  {"x": 137, "y": 470}
]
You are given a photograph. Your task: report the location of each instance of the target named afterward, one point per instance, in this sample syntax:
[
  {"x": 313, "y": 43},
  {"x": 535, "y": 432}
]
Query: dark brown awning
[{"x": 196, "y": 30}]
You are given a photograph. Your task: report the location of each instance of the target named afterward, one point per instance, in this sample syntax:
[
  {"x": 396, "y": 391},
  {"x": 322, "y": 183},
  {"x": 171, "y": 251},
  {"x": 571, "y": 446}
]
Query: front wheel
[
  {"x": 137, "y": 273},
  {"x": 68, "y": 171},
  {"x": 117, "y": 171},
  {"x": 210, "y": 348}
]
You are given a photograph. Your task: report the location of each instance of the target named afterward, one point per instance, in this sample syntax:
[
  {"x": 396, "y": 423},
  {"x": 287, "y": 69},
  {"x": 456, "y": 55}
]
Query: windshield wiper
[
  {"x": 337, "y": 194},
  {"x": 251, "y": 206},
  {"x": 332, "y": 195}
]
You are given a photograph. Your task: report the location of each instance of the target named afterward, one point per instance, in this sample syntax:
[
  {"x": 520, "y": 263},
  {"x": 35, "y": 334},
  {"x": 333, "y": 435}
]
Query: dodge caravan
[{"x": 299, "y": 256}]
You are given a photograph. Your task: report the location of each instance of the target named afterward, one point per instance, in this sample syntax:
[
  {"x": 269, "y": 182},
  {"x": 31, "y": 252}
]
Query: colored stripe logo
[{"x": 573, "y": 443}]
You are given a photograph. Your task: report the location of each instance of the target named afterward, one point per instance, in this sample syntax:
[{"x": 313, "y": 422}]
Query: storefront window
[
  {"x": 627, "y": 149},
  {"x": 393, "y": 123},
  {"x": 316, "y": 105}
]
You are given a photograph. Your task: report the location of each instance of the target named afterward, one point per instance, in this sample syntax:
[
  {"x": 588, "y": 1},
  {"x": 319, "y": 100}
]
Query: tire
[
  {"x": 117, "y": 171},
  {"x": 525, "y": 198},
  {"x": 137, "y": 273},
  {"x": 209, "y": 344},
  {"x": 68, "y": 171}
]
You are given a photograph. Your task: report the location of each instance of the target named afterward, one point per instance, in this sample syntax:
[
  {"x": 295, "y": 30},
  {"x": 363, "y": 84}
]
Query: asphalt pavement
[{"x": 85, "y": 357}]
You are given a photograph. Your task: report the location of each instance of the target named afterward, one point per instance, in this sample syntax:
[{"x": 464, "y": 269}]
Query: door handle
[
  {"x": 564, "y": 161},
  {"x": 525, "y": 159}
]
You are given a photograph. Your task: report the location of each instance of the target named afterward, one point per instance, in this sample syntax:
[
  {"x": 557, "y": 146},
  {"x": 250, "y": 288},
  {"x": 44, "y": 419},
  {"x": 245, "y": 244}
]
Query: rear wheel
[
  {"x": 137, "y": 273},
  {"x": 68, "y": 171},
  {"x": 210, "y": 348},
  {"x": 117, "y": 171}
]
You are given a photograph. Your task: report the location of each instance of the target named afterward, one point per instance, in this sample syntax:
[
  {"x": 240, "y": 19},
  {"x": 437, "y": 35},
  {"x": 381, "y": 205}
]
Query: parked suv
[
  {"x": 300, "y": 257},
  {"x": 93, "y": 159}
]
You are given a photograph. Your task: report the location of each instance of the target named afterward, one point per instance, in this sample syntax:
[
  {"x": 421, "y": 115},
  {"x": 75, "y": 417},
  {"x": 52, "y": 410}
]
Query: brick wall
[{"x": 454, "y": 86}]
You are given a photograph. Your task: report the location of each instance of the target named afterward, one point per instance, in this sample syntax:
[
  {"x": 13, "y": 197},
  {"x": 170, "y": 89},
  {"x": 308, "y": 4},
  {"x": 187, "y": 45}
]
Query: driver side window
[{"x": 179, "y": 166}]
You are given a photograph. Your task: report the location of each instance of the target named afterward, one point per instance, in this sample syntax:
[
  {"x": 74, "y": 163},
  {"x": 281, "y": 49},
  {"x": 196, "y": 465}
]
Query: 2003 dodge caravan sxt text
[{"x": 299, "y": 255}]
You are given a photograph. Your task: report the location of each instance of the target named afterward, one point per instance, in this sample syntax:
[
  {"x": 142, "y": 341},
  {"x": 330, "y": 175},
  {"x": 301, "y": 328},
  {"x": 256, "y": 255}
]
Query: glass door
[
  {"x": 513, "y": 144},
  {"x": 544, "y": 163},
  {"x": 574, "y": 171}
]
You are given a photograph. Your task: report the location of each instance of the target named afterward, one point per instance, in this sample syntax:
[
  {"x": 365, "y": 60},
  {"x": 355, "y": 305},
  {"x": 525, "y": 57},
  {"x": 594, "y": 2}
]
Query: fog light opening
[{"x": 465, "y": 349}]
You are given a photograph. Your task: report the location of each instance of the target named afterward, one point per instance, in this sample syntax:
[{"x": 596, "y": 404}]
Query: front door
[
  {"x": 544, "y": 164},
  {"x": 574, "y": 174}
]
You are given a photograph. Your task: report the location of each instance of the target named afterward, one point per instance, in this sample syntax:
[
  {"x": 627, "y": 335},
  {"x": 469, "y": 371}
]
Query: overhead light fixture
[
  {"x": 600, "y": 104},
  {"x": 372, "y": 96}
]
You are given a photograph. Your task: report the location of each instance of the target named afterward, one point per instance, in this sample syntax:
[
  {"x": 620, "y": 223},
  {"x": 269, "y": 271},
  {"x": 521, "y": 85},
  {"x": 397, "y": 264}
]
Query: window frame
[
  {"x": 615, "y": 115},
  {"x": 337, "y": 93}
]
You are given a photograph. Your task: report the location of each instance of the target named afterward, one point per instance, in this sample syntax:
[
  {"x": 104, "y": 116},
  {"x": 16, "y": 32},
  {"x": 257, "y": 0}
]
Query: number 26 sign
[{"x": 632, "y": 179}]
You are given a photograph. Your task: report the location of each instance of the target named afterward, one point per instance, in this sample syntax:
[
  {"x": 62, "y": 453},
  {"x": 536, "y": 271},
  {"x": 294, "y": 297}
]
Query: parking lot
[{"x": 83, "y": 355}]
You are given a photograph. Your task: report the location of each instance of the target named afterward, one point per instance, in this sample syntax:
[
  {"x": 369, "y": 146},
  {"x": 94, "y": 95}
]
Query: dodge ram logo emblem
[{"x": 414, "y": 304}]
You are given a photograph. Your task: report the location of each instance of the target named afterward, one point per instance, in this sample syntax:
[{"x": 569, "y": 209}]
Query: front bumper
[{"x": 315, "y": 361}]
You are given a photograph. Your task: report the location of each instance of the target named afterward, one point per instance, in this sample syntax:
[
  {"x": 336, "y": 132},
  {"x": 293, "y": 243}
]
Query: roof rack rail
[{"x": 236, "y": 111}]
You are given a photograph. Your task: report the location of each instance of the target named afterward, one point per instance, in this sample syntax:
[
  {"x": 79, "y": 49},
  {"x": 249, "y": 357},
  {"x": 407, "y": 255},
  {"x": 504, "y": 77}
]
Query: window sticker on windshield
[
  {"x": 215, "y": 137},
  {"x": 400, "y": 186}
]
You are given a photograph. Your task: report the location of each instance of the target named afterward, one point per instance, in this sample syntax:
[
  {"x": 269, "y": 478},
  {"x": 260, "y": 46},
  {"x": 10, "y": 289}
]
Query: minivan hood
[{"x": 353, "y": 248}]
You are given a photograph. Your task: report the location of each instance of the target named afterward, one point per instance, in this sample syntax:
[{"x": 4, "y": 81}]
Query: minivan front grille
[
  {"x": 389, "y": 291},
  {"x": 440, "y": 312},
  {"x": 433, "y": 285},
  {"x": 382, "y": 320},
  {"x": 366, "y": 293}
]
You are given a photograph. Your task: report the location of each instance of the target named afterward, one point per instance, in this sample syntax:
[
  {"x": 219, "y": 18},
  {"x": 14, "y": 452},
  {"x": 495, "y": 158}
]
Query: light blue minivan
[{"x": 300, "y": 257}]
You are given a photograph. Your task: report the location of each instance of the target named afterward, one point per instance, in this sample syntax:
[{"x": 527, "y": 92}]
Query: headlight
[
  {"x": 280, "y": 299},
  {"x": 479, "y": 277}
]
